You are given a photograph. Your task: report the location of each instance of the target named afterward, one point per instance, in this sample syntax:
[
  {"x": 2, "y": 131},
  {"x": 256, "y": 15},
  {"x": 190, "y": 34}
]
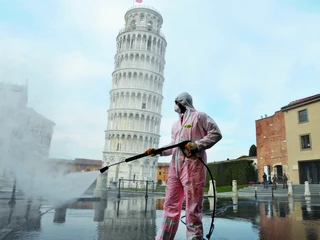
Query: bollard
[
  {"x": 290, "y": 189},
  {"x": 136, "y": 186},
  {"x": 235, "y": 204},
  {"x": 211, "y": 203},
  {"x": 291, "y": 204},
  {"x": 234, "y": 188},
  {"x": 210, "y": 192},
  {"x": 307, "y": 189},
  {"x": 308, "y": 203}
]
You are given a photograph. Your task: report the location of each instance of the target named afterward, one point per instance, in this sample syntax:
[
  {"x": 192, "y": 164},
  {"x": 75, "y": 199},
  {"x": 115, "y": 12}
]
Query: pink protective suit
[{"x": 187, "y": 176}]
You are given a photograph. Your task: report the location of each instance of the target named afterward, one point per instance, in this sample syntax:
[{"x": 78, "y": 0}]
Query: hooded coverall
[{"x": 187, "y": 176}]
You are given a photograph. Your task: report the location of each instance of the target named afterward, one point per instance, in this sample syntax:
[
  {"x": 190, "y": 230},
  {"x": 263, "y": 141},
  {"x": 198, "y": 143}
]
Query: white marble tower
[{"x": 134, "y": 115}]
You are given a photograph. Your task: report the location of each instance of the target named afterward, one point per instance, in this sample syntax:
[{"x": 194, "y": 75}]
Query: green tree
[
  {"x": 243, "y": 156},
  {"x": 253, "y": 151}
]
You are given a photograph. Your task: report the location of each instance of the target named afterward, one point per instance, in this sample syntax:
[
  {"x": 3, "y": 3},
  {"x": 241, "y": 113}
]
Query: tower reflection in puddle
[{"x": 130, "y": 218}]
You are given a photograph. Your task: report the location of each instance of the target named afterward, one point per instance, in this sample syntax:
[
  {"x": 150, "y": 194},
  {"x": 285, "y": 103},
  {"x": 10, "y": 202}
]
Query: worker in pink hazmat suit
[{"x": 187, "y": 175}]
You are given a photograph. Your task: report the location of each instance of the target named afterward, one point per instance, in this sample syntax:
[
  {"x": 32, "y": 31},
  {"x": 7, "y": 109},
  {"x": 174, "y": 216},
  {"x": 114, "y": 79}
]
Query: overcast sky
[{"x": 238, "y": 59}]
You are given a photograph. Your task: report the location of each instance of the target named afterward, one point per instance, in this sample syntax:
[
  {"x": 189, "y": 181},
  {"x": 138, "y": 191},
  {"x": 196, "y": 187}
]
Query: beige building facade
[{"x": 302, "y": 126}]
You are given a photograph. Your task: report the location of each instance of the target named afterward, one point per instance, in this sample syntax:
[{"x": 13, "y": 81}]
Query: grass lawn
[{"x": 225, "y": 188}]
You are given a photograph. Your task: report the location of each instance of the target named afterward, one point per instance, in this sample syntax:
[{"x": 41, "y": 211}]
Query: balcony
[
  {"x": 145, "y": 29},
  {"x": 144, "y": 6}
]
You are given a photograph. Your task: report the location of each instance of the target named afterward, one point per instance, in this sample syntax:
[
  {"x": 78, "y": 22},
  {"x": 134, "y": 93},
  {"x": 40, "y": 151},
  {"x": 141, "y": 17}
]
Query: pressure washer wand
[{"x": 156, "y": 151}]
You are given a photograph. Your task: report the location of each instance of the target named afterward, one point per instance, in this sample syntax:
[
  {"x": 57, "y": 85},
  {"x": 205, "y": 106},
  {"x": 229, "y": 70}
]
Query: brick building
[{"x": 271, "y": 145}]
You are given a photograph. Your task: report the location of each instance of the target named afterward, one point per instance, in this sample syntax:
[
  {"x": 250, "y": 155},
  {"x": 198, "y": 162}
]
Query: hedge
[{"x": 223, "y": 173}]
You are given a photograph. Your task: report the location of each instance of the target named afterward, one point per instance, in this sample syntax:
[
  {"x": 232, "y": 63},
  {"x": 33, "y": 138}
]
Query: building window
[
  {"x": 305, "y": 142},
  {"x": 149, "y": 44},
  {"x": 150, "y": 24},
  {"x": 159, "y": 173},
  {"x": 303, "y": 116},
  {"x": 144, "y": 105},
  {"x": 133, "y": 24}
]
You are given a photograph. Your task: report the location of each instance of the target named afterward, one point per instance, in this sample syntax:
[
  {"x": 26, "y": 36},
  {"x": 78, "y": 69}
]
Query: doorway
[
  {"x": 279, "y": 172},
  {"x": 309, "y": 171}
]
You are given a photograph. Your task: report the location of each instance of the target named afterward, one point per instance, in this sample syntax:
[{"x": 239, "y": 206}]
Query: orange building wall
[
  {"x": 83, "y": 167},
  {"x": 162, "y": 173}
]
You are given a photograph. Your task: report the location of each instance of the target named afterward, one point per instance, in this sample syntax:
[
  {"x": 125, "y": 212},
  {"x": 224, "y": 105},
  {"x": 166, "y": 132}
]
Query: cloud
[
  {"x": 74, "y": 68},
  {"x": 39, "y": 60},
  {"x": 99, "y": 18}
]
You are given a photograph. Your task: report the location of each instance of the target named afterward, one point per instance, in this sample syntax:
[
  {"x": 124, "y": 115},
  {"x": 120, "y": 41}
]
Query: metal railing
[
  {"x": 144, "y": 6},
  {"x": 121, "y": 182},
  {"x": 138, "y": 28}
]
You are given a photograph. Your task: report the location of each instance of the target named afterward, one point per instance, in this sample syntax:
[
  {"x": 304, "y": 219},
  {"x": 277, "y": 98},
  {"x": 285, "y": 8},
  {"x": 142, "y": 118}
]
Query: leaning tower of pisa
[{"x": 134, "y": 115}]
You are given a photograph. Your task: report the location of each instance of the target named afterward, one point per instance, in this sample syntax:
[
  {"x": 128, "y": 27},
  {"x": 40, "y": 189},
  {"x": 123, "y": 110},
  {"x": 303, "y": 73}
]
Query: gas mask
[{"x": 177, "y": 109}]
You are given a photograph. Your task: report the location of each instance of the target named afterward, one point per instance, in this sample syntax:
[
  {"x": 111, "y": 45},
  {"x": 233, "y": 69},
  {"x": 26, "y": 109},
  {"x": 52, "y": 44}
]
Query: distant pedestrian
[
  {"x": 285, "y": 181},
  {"x": 274, "y": 182},
  {"x": 265, "y": 181}
]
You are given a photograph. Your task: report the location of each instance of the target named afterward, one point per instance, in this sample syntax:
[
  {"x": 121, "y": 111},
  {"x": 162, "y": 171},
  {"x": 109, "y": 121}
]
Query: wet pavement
[{"x": 136, "y": 217}]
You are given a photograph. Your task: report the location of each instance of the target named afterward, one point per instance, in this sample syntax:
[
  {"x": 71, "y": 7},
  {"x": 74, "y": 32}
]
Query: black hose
[{"x": 214, "y": 200}]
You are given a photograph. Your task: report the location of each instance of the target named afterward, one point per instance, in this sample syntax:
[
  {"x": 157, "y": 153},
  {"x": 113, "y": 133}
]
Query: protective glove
[
  {"x": 151, "y": 152},
  {"x": 191, "y": 147}
]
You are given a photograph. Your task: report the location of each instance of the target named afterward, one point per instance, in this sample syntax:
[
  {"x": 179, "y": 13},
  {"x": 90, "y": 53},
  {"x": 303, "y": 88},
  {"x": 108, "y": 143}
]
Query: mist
[{"x": 25, "y": 140}]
